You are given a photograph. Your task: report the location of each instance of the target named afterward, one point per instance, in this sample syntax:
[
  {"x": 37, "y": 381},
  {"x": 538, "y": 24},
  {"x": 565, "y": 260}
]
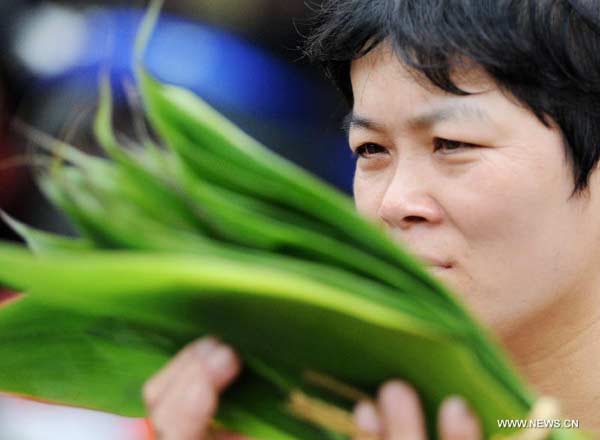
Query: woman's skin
[{"x": 481, "y": 190}]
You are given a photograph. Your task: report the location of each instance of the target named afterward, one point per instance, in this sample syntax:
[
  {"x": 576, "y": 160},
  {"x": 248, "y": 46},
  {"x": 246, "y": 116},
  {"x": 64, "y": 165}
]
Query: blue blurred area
[
  {"x": 222, "y": 68},
  {"x": 266, "y": 96}
]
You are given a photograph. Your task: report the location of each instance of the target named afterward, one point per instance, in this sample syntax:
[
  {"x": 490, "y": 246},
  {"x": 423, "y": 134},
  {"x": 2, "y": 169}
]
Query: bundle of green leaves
[{"x": 214, "y": 234}]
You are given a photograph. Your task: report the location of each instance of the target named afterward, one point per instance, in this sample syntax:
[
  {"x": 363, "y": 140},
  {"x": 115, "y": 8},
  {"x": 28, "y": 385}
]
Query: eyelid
[
  {"x": 460, "y": 144},
  {"x": 359, "y": 151}
]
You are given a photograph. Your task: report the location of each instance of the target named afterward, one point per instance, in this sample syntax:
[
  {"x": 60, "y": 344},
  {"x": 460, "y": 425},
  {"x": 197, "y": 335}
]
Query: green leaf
[
  {"x": 42, "y": 242},
  {"x": 288, "y": 322}
]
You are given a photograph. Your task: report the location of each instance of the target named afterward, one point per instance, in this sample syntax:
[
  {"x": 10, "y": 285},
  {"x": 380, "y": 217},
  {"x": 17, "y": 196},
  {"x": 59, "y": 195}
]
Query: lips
[{"x": 434, "y": 262}]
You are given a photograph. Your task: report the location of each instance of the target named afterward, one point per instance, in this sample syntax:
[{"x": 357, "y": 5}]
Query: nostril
[{"x": 414, "y": 219}]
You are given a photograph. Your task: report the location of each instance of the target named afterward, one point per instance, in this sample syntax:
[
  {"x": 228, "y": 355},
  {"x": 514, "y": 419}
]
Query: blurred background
[{"x": 242, "y": 56}]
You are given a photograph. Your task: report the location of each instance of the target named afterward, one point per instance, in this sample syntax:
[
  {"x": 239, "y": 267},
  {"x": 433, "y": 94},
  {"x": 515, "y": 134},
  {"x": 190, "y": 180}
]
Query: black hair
[{"x": 545, "y": 53}]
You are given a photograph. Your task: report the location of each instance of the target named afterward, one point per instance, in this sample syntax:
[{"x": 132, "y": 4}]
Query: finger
[
  {"x": 366, "y": 419},
  {"x": 222, "y": 366},
  {"x": 189, "y": 403},
  {"x": 156, "y": 386},
  {"x": 401, "y": 413},
  {"x": 190, "y": 400},
  {"x": 457, "y": 422}
]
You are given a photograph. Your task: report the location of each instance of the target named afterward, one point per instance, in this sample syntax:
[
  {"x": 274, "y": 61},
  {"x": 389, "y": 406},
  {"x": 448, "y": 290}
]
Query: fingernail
[
  {"x": 366, "y": 417},
  {"x": 454, "y": 407},
  {"x": 220, "y": 361},
  {"x": 395, "y": 394},
  {"x": 206, "y": 346}
]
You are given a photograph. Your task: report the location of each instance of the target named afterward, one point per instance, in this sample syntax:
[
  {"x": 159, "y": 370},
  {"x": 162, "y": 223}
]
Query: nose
[{"x": 408, "y": 201}]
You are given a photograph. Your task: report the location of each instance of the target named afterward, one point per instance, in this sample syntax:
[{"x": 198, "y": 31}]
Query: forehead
[
  {"x": 393, "y": 100},
  {"x": 392, "y": 96},
  {"x": 382, "y": 70}
]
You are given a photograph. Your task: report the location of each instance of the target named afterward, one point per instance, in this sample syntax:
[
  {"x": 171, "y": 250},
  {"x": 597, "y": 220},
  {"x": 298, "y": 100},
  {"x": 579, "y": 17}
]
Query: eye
[
  {"x": 448, "y": 146},
  {"x": 369, "y": 149}
]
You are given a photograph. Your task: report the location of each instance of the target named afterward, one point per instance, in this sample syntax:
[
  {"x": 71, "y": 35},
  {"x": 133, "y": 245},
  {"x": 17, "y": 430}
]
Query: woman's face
[{"x": 476, "y": 186}]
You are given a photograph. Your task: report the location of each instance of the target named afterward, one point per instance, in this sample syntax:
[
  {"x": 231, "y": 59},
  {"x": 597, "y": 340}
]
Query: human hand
[
  {"x": 183, "y": 397},
  {"x": 397, "y": 415}
]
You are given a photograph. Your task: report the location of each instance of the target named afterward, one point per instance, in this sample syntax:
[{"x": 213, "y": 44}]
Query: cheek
[
  {"x": 514, "y": 221},
  {"x": 368, "y": 193},
  {"x": 517, "y": 227},
  {"x": 511, "y": 197}
]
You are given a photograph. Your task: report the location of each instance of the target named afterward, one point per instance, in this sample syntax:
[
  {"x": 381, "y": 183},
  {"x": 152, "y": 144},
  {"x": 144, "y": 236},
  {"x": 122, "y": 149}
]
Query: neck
[{"x": 559, "y": 351}]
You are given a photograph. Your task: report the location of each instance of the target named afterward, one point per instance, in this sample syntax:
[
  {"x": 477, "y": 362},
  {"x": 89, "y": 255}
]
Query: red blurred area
[
  {"x": 12, "y": 176},
  {"x": 6, "y": 296}
]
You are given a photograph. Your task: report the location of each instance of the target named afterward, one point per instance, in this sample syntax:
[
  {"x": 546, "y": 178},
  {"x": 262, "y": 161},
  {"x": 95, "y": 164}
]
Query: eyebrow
[{"x": 421, "y": 121}]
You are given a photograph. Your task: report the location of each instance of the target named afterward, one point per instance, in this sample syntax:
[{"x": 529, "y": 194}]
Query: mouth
[
  {"x": 441, "y": 268},
  {"x": 440, "y": 271},
  {"x": 434, "y": 263}
]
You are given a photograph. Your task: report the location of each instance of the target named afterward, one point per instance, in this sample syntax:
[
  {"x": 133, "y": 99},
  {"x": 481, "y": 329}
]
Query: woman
[{"x": 477, "y": 130}]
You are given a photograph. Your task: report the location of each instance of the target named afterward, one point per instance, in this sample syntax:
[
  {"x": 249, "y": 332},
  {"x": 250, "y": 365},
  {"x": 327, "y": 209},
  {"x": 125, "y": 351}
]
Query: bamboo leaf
[
  {"x": 42, "y": 242},
  {"x": 199, "y": 295}
]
